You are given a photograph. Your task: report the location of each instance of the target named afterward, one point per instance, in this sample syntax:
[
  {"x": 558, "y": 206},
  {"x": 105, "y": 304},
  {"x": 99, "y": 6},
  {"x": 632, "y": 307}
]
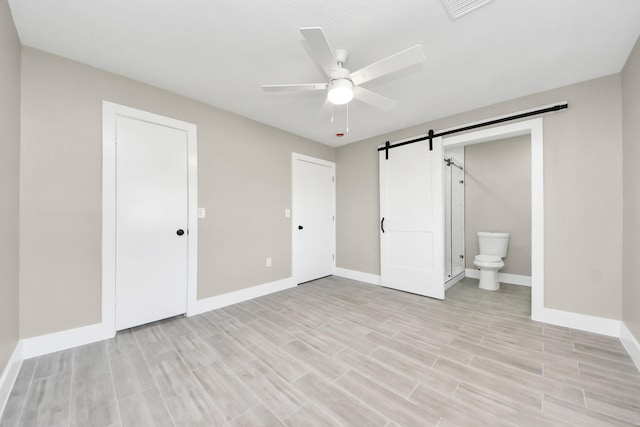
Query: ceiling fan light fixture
[{"x": 340, "y": 91}]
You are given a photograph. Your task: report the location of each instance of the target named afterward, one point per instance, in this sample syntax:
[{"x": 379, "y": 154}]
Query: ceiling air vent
[{"x": 458, "y": 8}]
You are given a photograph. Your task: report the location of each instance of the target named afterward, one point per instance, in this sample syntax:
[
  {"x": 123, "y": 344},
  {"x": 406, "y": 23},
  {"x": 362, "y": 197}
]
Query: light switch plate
[
  {"x": 201, "y": 213},
  {"x": 287, "y": 213}
]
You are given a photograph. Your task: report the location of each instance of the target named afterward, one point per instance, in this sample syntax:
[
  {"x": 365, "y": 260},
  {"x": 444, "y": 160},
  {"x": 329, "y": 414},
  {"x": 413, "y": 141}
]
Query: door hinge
[
  {"x": 333, "y": 179},
  {"x": 333, "y": 256},
  {"x": 333, "y": 218}
]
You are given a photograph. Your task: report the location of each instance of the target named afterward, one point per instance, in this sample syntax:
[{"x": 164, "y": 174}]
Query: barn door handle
[
  {"x": 180, "y": 232},
  {"x": 382, "y": 224}
]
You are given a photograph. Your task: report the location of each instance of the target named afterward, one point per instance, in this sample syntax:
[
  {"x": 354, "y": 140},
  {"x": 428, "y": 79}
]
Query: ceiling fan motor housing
[{"x": 341, "y": 56}]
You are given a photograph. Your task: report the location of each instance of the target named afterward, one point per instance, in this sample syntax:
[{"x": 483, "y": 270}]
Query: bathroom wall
[
  {"x": 582, "y": 194},
  {"x": 244, "y": 182},
  {"x": 498, "y": 198},
  {"x": 631, "y": 188},
  {"x": 9, "y": 182}
]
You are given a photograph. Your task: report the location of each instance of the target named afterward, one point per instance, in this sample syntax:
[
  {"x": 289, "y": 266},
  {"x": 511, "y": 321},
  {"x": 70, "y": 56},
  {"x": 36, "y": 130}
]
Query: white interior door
[
  {"x": 313, "y": 218},
  {"x": 411, "y": 211},
  {"x": 151, "y": 222}
]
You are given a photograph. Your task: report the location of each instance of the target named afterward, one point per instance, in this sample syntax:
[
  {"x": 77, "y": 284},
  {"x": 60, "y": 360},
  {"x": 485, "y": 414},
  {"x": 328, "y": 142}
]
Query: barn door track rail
[{"x": 516, "y": 116}]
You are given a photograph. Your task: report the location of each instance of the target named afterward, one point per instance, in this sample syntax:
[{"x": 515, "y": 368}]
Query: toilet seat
[
  {"x": 488, "y": 258},
  {"x": 488, "y": 261}
]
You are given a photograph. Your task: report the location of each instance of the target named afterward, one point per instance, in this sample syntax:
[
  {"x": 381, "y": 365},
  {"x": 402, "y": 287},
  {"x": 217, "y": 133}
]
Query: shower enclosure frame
[{"x": 453, "y": 181}]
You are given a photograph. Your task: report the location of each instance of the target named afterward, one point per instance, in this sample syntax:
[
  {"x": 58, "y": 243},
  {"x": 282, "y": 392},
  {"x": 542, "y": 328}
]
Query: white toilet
[{"x": 493, "y": 247}]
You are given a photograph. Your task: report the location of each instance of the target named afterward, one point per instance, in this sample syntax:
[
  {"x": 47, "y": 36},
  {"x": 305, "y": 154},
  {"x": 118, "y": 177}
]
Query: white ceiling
[{"x": 221, "y": 51}]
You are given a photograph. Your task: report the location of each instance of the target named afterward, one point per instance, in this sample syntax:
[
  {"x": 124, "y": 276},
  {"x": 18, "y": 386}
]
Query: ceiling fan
[{"x": 344, "y": 85}]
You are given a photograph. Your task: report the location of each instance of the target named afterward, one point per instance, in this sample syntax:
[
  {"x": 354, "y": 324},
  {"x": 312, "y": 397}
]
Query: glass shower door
[
  {"x": 454, "y": 218},
  {"x": 457, "y": 221}
]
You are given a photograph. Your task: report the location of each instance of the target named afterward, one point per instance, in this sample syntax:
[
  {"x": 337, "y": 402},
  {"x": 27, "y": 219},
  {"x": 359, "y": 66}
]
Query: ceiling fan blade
[
  {"x": 303, "y": 87},
  {"x": 373, "y": 99},
  {"x": 320, "y": 49},
  {"x": 406, "y": 58}
]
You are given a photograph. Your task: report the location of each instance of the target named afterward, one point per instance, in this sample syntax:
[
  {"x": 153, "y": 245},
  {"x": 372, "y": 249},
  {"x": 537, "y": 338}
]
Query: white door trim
[
  {"x": 294, "y": 224},
  {"x": 531, "y": 127},
  {"x": 110, "y": 113}
]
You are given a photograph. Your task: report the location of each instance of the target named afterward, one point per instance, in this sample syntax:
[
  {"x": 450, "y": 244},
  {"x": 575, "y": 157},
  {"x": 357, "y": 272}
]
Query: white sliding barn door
[
  {"x": 151, "y": 222},
  {"x": 411, "y": 219}
]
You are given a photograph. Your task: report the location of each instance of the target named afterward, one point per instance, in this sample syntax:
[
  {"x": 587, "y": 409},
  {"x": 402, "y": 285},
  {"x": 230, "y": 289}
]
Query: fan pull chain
[{"x": 347, "y": 118}]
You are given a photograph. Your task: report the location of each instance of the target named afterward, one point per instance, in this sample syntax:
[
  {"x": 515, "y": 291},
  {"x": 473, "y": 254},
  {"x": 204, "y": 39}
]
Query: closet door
[
  {"x": 411, "y": 219},
  {"x": 151, "y": 222},
  {"x": 313, "y": 202}
]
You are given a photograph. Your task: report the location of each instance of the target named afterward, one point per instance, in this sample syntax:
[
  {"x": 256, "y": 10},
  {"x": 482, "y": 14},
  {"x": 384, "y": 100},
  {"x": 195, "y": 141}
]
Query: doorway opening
[{"x": 533, "y": 128}]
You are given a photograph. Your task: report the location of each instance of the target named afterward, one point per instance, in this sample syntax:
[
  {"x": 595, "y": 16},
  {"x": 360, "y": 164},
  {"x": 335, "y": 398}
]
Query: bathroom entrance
[
  {"x": 482, "y": 212},
  {"x": 490, "y": 196},
  {"x": 403, "y": 185}
]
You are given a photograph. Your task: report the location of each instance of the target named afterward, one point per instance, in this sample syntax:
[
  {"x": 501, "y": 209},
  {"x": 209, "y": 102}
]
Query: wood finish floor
[{"x": 335, "y": 352}]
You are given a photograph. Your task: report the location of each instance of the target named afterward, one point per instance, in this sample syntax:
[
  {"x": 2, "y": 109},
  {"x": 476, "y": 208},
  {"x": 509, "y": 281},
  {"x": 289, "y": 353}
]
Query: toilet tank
[{"x": 491, "y": 243}]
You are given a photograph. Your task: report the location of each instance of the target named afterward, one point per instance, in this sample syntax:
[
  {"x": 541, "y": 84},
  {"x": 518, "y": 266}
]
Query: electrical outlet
[
  {"x": 268, "y": 262},
  {"x": 201, "y": 213}
]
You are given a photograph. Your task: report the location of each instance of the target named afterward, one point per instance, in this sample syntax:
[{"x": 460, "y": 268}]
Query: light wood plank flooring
[{"x": 335, "y": 352}]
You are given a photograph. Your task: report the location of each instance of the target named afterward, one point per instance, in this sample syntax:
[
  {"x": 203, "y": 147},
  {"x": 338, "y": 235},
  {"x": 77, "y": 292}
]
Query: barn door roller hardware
[{"x": 431, "y": 134}]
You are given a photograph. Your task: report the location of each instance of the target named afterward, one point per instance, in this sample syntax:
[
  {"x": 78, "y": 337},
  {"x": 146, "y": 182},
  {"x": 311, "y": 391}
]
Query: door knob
[
  {"x": 300, "y": 227},
  {"x": 180, "y": 232}
]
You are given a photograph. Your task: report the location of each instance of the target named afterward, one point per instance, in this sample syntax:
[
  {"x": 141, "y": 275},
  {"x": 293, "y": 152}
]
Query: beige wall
[
  {"x": 497, "y": 197},
  {"x": 631, "y": 191},
  {"x": 9, "y": 182},
  {"x": 583, "y": 195},
  {"x": 357, "y": 208},
  {"x": 244, "y": 178},
  {"x": 244, "y": 182}
]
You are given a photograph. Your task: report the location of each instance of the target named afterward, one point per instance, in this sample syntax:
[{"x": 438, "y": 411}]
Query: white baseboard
[
  {"x": 513, "y": 279},
  {"x": 360, "y": 276},
  {"x": 630, "y": 343},
  {"x": 582, "y": 322},
  {"x": 219, "y": 301},
  {"x": 9, "y": 375},
  {"x": 472, "y": 273},
  {"x": 57, "y": 341}
]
